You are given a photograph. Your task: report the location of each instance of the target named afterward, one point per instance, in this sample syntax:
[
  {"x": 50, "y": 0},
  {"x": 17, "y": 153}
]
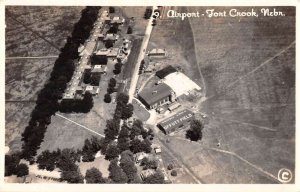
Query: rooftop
[
  {"x": 180, "y": 83},
  {"x": 156, "y": 93},
  {"x": 177, "y": 119}
]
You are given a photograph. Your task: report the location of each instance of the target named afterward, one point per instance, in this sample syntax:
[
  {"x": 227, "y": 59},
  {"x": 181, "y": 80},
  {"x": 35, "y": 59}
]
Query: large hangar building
[{"x": 156, "y": 96}]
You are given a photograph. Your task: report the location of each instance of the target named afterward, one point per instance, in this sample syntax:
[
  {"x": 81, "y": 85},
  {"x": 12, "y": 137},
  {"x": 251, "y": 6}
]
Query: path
[
  {"x": 141, "y": 55},
  {"x": 80, "y": 125}
]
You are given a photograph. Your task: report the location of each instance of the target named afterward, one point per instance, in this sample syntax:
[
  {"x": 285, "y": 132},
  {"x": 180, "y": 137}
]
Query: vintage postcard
[{"x": 149, "y": 94}]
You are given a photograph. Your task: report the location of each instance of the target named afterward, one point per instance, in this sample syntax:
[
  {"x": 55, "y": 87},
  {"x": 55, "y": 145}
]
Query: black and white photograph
[{"x": 149, "y": 94}]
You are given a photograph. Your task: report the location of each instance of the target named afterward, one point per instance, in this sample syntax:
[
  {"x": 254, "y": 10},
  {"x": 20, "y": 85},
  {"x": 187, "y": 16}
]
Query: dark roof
[
  {"x": 177, "y": 119},
  {"x": 98, "y": 60},
  {"x": 165, "y": 71},
  {"x": 156, "y": 93}
]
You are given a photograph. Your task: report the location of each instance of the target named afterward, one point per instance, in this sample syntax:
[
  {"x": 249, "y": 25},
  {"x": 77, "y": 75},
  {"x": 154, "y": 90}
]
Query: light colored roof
[
  {"x": 157, "y": 51},
  {"x": 89, "y": 88},
  {"x": 111, "y": 36},
  {"x": 180, "y": 83},
  {"x": 99, "y": 68},
  {"x": 89, "y": 48},
  {"x": 102, "y": 52},
  {"x": 113, "y": 52}
]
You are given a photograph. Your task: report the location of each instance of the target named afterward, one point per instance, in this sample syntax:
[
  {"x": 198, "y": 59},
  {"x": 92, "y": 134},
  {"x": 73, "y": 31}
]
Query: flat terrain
[
  {"x": 31, "y": 32},
  {"x": 248, "y": 68}
]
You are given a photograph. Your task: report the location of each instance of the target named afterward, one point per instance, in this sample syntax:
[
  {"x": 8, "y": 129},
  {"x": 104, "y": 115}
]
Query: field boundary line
[
  {"x": 197, "y": 58},
  {"x": 80, "y": 125},
  {"x": 235, "y": 155},
  {"x": 254, "y": 70},
  {"x": 245, "y": 161},
  {"x": 261, "y": 65},
  {"x": 245, "y": 123},
  {"x": 32, "y": 57},
  {"x": 12, "y": 16}
]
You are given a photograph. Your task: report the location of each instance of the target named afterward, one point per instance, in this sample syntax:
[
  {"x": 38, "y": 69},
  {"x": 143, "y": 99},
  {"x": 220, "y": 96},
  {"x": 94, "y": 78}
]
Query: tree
[
  {"x": 118, "y": 68},
  {"x": 22, "y": 170},
  {"x": 195, "y": 131},
  {"x": 128, "y": 165},
  {"x": 174, "y": 173},
  {"x": 107, "y": 98},
  {"x": 127, "y": 111},
  {"x": 170, "y": 166},
  {"x": 93, "y": 175},
  {"x": 11, "y": 163},
  {"x": 95, "y": 79},
  {"x": 87, "y": 102},
  {"x": 116, "y": 174},
  {"x": 87, "y": 77},
  {"x": 156, "y": 178},
  {"x": 110, "y": 90},
  {"x": 112, "y": 129},
  {"x": 72, "y": 176},
  {"x": 112, "y": 152},
  {"x": 89, "y": 149},
  {"x": 112, "y": 82},
  {"x": 149, "y": 163},
  {"x": 67, "y": 159},
  {"x": 46, "y": 160},
  {"x": 111, "y": 10},
  {"x": 148, "y": 13},
  {"x": 137, "y": 146},
  {"x": 123, "y": 138},
  {"x": 129, "y": 30},
  {"x": 136, "y": 129}
]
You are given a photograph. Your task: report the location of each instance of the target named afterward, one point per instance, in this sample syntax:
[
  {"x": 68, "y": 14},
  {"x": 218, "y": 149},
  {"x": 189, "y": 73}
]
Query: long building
[{"x": 176, "y": 121}]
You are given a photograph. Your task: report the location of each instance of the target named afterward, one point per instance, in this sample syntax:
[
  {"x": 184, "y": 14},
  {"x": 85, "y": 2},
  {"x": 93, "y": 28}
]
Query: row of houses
[{"x": 92, "y": 60}]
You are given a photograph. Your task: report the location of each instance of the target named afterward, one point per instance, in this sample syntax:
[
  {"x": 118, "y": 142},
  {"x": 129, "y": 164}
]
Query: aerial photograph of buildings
[{"x": 150, "y": 94}]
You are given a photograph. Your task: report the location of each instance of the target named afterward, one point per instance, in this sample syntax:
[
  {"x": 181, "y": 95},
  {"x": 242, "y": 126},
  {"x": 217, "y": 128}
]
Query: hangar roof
[{"x": 156, "y": 93}]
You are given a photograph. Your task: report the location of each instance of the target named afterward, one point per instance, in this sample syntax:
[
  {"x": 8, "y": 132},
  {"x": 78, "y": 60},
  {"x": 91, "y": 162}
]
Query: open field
[
  {"x": 62, "y": 133},
  {"x": 30, "y": 31},
  {"x": 248, "y": 67}
]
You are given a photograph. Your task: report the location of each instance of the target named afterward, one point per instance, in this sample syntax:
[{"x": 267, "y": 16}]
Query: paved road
[{"x": 141, "y": 55}]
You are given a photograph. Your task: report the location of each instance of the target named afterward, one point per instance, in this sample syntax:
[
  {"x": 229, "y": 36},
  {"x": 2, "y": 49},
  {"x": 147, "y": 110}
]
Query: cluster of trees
[
  {"x": 91, "y": 78},
  {"x": 90, "y": 148},
  {"x": 77, "y": 105},
  {"x": 110, "y": 89},
  {"x": 64, "y": 160},
  {"x": 93, "y": 175},
  {"x": 195, "y": 131},
  {"x": 14, "y": 167},
  {"x": 156, "y": 178},
  {"x": 118, "y": 68},
  {"x": 111, "y": 10},
  {"x": 111, "y": 86},
  {"x": 148, "y": 13},
  {"x": 47, "y": 101},
  {"x": 125, "y": 171},
  {"x": 149, "y": 163}
]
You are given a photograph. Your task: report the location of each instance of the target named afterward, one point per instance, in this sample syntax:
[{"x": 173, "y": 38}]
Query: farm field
[
  {"x": 248, "y": 68},
  {"x": 30, "y": 32}
]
